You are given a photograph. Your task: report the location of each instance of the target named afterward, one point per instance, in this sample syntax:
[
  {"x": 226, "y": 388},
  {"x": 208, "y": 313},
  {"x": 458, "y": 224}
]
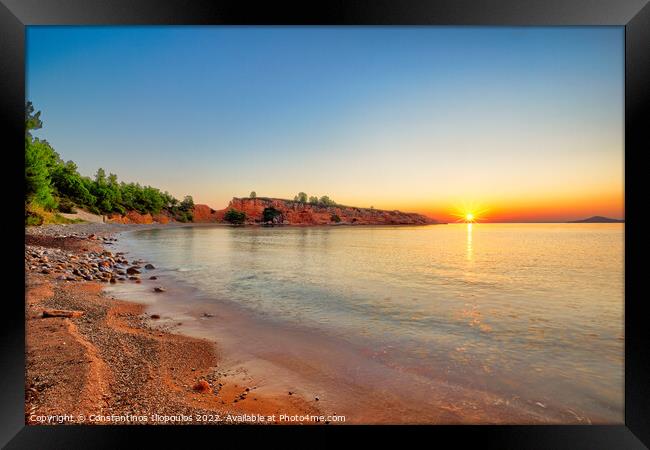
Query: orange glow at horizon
[
  {"x": 553, "y": 208},
  {"x": 547, "y": 210}
]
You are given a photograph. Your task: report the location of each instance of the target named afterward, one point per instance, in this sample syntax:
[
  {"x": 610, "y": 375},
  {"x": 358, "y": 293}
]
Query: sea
[{"x": 456, "y": 323}]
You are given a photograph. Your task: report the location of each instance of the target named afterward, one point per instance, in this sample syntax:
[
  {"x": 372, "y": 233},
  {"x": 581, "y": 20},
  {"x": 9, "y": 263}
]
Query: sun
[{"x": 469, "y": 213}]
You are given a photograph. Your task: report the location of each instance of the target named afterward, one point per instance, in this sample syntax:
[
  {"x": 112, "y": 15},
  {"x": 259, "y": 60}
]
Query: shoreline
[
  {"x": 112, "y": 364},
  {"x": 220, "y": 363}
]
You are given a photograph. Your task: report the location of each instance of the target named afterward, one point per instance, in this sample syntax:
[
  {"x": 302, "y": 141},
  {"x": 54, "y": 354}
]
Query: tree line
[
  {"x": 301, "y": 197},
  {"x": 56, "y": 186},
  {"x": 314, "y": 200}
]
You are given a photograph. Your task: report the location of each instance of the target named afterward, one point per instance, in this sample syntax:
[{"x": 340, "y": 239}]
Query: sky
[{"x": 517, "y": 123}]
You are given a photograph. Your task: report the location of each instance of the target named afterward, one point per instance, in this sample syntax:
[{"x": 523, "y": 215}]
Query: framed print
[{"x": 353, "y": 217}]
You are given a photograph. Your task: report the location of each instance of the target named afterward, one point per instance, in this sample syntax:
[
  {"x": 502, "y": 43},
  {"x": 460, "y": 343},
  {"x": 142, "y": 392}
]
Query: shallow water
[{"x": 530, "y": 314}]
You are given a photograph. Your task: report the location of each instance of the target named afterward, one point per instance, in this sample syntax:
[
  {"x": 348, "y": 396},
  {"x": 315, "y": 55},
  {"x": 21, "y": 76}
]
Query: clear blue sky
[{"x": 416, "y": 118}]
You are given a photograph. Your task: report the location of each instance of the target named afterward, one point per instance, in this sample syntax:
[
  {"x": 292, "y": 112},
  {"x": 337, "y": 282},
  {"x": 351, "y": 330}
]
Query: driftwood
[{"x": 61, "y": 313}]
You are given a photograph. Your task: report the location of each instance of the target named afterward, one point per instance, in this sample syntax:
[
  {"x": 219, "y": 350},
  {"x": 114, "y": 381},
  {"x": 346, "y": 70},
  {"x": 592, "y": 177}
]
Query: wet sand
[{"x": 348, "y": 380}]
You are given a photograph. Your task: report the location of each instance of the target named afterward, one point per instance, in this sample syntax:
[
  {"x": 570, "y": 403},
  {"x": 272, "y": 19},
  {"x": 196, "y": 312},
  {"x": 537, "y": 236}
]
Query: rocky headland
[
  {"x": 298, "y": 213},
  {"x": 290, "y": 213}
]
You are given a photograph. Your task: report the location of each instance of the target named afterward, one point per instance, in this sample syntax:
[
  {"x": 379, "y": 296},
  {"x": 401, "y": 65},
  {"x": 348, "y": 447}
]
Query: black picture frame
[{"x": 634, "y": 15}]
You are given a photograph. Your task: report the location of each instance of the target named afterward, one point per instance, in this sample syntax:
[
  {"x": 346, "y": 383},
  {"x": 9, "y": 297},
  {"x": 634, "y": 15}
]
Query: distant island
[{"x": 598, "y": 219}]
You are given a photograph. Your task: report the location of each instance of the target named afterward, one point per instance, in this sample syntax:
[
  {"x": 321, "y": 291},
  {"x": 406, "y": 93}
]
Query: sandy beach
[{"x": 110, "y": 363}]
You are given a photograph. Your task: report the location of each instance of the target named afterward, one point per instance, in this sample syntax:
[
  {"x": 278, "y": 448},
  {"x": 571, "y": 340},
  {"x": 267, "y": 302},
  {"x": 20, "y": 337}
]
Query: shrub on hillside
[
  {"x": 183, "y": 216},
  {"x": 326, "y": 201},
  {"x": 235, "y": 217},
  {"x": 32, "y": 219},
  {"x": 67, "y": 206}
]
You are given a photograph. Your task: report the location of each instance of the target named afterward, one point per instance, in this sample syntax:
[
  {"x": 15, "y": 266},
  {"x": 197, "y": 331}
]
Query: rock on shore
[
  {"x": 103, "y": 266},
  {"x": 78, "y": 255}
]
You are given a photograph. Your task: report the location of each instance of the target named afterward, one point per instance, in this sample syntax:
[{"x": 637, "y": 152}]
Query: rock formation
[
  {"x": 297, "y": 213},
  {"x": 291, "y": 213}
]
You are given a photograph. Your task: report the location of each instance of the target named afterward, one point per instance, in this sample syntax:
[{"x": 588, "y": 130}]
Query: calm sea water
[{"x": 525, "y": 311}]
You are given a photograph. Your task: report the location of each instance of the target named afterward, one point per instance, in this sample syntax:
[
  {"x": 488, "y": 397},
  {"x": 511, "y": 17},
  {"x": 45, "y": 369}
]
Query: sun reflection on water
[{"x": 470, "y": 249}]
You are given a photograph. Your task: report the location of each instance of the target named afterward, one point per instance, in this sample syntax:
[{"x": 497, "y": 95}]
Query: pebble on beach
[{"x": 64, "y": 261}]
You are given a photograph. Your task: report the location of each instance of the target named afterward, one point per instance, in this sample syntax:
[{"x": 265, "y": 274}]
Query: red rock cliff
[
  {"x": 296, "y": 213},
  {"x": 291, "y": 213},
  {"x": 204, "y": 214}
]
